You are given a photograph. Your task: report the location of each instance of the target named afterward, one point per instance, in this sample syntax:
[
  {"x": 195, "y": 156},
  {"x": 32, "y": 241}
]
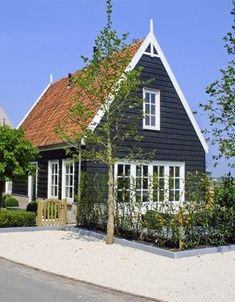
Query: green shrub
[
  {"x": 92, "y": 212},
  {"x": 206, "y": 218},
  {"x": 9, "y": 218},
  {"x": 2, "y": 200},
  {"x": 11, "y": 201},
  {"x": 32, "y": 207}
]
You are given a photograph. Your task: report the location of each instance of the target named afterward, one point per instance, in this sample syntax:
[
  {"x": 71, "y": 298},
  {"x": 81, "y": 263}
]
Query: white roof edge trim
[
  {"x": 150, "y": 38},
  {"x": 38, "y": 99}
]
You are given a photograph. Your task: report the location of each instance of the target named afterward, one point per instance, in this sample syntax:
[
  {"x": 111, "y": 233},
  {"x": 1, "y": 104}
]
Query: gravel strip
[{"x": 203, "y": 278}]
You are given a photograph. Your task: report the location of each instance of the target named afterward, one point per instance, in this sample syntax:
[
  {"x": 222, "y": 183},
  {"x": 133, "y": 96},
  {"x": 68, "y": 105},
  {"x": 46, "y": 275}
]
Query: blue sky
[{"x": 41, "y": 37}]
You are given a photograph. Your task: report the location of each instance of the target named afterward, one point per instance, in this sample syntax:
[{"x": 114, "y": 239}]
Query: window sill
[{"x": 151, "y": 128}]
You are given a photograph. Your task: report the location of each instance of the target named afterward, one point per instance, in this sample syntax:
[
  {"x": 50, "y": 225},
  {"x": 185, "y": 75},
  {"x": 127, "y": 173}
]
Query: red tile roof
[{"x": 52, "y": 110}]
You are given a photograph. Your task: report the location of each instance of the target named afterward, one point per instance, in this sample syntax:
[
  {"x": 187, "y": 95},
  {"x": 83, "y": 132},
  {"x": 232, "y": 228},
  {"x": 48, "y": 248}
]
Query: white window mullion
[
  {"x": 166, "y": 184},
  {"x": 150, "y": 184},
  {"x": 63, "y": 180},
  {"x": 133, "y": 182},
  {"x": 141, "y": 183},
  {"x": 182, "y": 183}
]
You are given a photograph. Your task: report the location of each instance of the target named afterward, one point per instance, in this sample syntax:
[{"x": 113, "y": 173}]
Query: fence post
[
  {"x": 64, "y": 212},
  {"x": 39, "y": 213}
]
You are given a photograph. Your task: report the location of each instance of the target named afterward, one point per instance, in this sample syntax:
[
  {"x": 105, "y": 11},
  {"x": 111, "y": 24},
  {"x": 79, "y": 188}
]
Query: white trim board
[
  {"x": 49, "y": 175},
  {"x": 63, "y": 190},
  {"x": 38, "y": 99},
  {"x": 151, "y": 39}
]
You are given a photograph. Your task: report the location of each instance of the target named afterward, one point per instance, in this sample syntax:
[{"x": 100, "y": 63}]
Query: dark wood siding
[
  {"x": 177, "y": 139},
  {"x": 21, "y": 188},
  {"x": 45, "y": 156}
]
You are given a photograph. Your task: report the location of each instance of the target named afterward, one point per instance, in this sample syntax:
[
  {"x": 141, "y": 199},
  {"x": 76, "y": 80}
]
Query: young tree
[
  {"x": 106, "y": 84},
  {"x": 15, "y": 155},
  {"x": 221, "y": 106}
]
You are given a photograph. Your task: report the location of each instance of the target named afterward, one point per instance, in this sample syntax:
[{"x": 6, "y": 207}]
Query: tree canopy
[
  {"x": 221, "y": 106},
  {"x": 16, "y": 153},
  {"x": 106, "y": 85}
]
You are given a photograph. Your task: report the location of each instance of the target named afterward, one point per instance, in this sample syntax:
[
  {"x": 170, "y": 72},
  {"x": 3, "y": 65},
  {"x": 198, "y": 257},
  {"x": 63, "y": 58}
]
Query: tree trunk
[{"x": 110, "y": 224}]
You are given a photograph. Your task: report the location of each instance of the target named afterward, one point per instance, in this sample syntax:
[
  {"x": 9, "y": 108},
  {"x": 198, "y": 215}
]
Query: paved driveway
[{"x": 22, "y": 284}]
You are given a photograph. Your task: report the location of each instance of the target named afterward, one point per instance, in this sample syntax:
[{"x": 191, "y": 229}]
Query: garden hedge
[{"x": 9, "y": 218}]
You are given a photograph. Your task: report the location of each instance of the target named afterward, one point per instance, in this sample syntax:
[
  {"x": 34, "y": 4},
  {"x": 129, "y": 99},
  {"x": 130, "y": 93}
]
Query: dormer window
[{"x": 151, "y": 109}]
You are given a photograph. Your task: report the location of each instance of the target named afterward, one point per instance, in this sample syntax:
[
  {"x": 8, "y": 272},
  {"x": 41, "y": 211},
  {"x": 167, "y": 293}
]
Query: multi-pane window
[
  {"x": 53, "y": 179},
  {"x": 154, "y": 182},
  {"x": 158, "y": 183},
  {"x": 151, "y": 107},
  {"x": 174, "y": 183},
  {"x": 123, "y": 182},
  {"x": 67, "y": 180},
  {"x": 142, "y": 181}
]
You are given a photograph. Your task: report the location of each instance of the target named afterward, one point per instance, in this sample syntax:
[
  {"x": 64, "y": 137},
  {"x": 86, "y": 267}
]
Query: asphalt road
[{"x": 22, "y": 284}]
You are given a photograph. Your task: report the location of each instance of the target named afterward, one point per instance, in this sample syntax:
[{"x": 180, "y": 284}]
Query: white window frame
[
  {"x": 167, "y": 165},
  {"x": 50, "y": 163},
  {"x": 64, "y": 163},
  {"x": 8, "y": 187},
  {"x": 30, "y": 183},
  {"x": 141, "y": 190},
  {"x": 157, "y": 109}
]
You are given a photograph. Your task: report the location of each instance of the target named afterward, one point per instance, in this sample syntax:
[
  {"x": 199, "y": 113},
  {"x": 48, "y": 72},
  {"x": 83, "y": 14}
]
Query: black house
[{"x": 168, "y": 126}]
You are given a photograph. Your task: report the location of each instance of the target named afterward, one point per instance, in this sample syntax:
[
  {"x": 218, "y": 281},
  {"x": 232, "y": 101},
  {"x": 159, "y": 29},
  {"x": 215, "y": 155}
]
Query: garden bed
[{"x": 151, "y": 248}]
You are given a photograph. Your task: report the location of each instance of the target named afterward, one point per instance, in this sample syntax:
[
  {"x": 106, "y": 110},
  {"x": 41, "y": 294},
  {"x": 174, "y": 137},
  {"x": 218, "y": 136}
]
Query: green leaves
[
  {"x": 15, "y": 154},
  {"x": 221, "y": 106},
  {"x": 105, "y": 84}
]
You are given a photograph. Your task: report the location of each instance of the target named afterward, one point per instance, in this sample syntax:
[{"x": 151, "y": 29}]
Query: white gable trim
[
  {"x": 151, "y": 39},
  {"x": 38, "y": 99}
]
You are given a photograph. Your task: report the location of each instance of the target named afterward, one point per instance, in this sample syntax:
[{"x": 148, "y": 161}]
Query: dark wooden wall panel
[
  {"x": 177, "y": 139},
  {"x": 20, "y": 186}
]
